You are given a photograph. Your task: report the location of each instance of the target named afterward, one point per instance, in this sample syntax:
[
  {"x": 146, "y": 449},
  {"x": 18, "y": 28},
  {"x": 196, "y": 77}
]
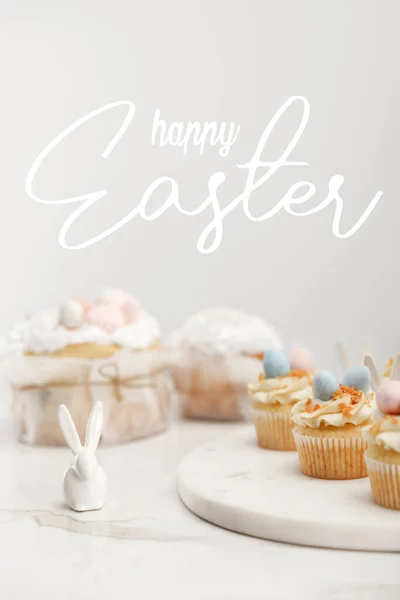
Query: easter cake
[
  {"x": 330, "y": 425},
  {"x": 217, "y": 351},
  {"x": 383, "y": 438},
  {"x": 109, "y": 350},
  {"x": 284, "y": 382}
]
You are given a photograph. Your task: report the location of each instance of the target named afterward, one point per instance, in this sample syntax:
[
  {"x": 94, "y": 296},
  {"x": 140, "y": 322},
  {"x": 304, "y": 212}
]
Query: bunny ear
[
  {"x": 375, "y": 377},
  {"x": 395, "y": 372},
  {"x": 94, "y": 427},
  {"x": 365, "y": 348},
  {"x": 343, "y": 356},
  {"x": 69, "y": 430}
]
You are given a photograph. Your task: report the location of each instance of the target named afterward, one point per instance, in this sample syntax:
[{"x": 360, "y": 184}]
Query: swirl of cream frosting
[
  {"x": 348, "y": 405},
  {"x": 282, "y": 390},
  {"x": 384, "y": 431}
]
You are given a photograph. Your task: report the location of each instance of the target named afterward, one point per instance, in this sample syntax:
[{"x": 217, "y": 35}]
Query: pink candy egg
[
  {"x": 388, "y": 397},
  {"x": 131, "y": 310},
  {"x": 301, "y": 360},
  {"x": 113, "y": 296},
  {"x": 127, "y": 304},
  {"x": 107, "y": 317}
]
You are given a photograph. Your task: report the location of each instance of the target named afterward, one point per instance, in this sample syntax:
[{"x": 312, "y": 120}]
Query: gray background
[{"x": 202, "y": 61}]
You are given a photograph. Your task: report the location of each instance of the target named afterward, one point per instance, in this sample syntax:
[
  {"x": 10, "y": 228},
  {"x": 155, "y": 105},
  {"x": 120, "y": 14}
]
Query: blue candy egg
[
  {"x": 275, "y": 363},
  {"x": 358, "y": 377},
  {"x": 324, "y": 386}
]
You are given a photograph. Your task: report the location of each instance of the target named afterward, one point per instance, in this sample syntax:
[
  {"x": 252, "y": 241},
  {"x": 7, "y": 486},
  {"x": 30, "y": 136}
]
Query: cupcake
[
  {"x": 383, "y": 439},
  {"x": 330, "y": 425},
  {"x": 282, "y": 384},
  {"x": 217, "y": 351},
  {"x": 82, "y": 352}
]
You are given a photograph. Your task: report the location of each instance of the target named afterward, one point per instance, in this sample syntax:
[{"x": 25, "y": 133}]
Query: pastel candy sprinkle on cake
[{"x": 72, "y": 314}]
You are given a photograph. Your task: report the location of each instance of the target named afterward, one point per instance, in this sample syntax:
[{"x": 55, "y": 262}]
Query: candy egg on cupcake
[
  {"x": 108, "y": 349},
  {"x": 383, "y": 438},
  {"x": 284, "y": 381},
  {"x": 330, "y": 423}
]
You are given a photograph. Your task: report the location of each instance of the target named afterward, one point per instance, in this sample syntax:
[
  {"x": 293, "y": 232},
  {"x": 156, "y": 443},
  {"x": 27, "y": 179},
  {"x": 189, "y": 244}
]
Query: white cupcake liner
[
  {"x": 385, "y": 482},
  {"x": 331, "y": 457},
  {"x": 274, "y": 429}
]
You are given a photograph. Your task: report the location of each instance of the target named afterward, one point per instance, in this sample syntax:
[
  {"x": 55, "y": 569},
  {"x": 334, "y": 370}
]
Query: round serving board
[{"x": 233, "y": 483}]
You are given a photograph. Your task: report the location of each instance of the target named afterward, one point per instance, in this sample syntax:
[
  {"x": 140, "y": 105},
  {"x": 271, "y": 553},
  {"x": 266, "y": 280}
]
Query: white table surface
[{"x": 166, "y": 551}]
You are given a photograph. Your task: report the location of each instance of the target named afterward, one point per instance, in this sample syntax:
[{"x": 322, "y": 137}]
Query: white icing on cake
[
  {"x": 225, "y": 331},
  {"x": 42, "y": 333}
]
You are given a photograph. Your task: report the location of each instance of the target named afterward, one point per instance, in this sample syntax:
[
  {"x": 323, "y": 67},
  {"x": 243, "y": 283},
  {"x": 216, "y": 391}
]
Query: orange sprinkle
[
  {"x": 344, "y": 390},
  {"x": 376, "y": 429},
  {"x": 389, "y": 363},
  {"x": 299, "y": 374},
  {"x": 346, "y": 409},
  {"x": 261, "y": 377},
  {"x": 311, "y": 408}
]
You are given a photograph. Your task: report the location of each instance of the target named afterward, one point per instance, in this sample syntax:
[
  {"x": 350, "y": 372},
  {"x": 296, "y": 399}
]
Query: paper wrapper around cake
[
  {"x": 133, "y": 386},
  {"x": 333, "y": 453},
  {"x": 210, "y": 385}
]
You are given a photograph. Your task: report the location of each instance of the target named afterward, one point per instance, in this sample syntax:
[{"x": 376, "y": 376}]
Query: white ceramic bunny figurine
[{"x": 85, "y": 483}]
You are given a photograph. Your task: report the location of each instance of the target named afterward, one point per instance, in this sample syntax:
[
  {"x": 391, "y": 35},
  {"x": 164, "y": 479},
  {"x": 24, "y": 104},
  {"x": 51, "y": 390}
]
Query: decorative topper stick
[
  {"x": 375, "y": 377},
  {"x": 85, "y": 483},
  {"x": 395, "y": 372},
  {"x": 343, "y": 356}
]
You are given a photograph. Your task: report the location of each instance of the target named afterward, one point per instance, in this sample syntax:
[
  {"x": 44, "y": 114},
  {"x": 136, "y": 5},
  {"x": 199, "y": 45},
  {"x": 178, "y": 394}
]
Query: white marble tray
[{"x": 233, "y": 483}]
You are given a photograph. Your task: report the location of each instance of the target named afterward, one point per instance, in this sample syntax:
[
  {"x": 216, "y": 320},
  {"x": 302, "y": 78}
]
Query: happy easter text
[{"x": 223, "y": 136}]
